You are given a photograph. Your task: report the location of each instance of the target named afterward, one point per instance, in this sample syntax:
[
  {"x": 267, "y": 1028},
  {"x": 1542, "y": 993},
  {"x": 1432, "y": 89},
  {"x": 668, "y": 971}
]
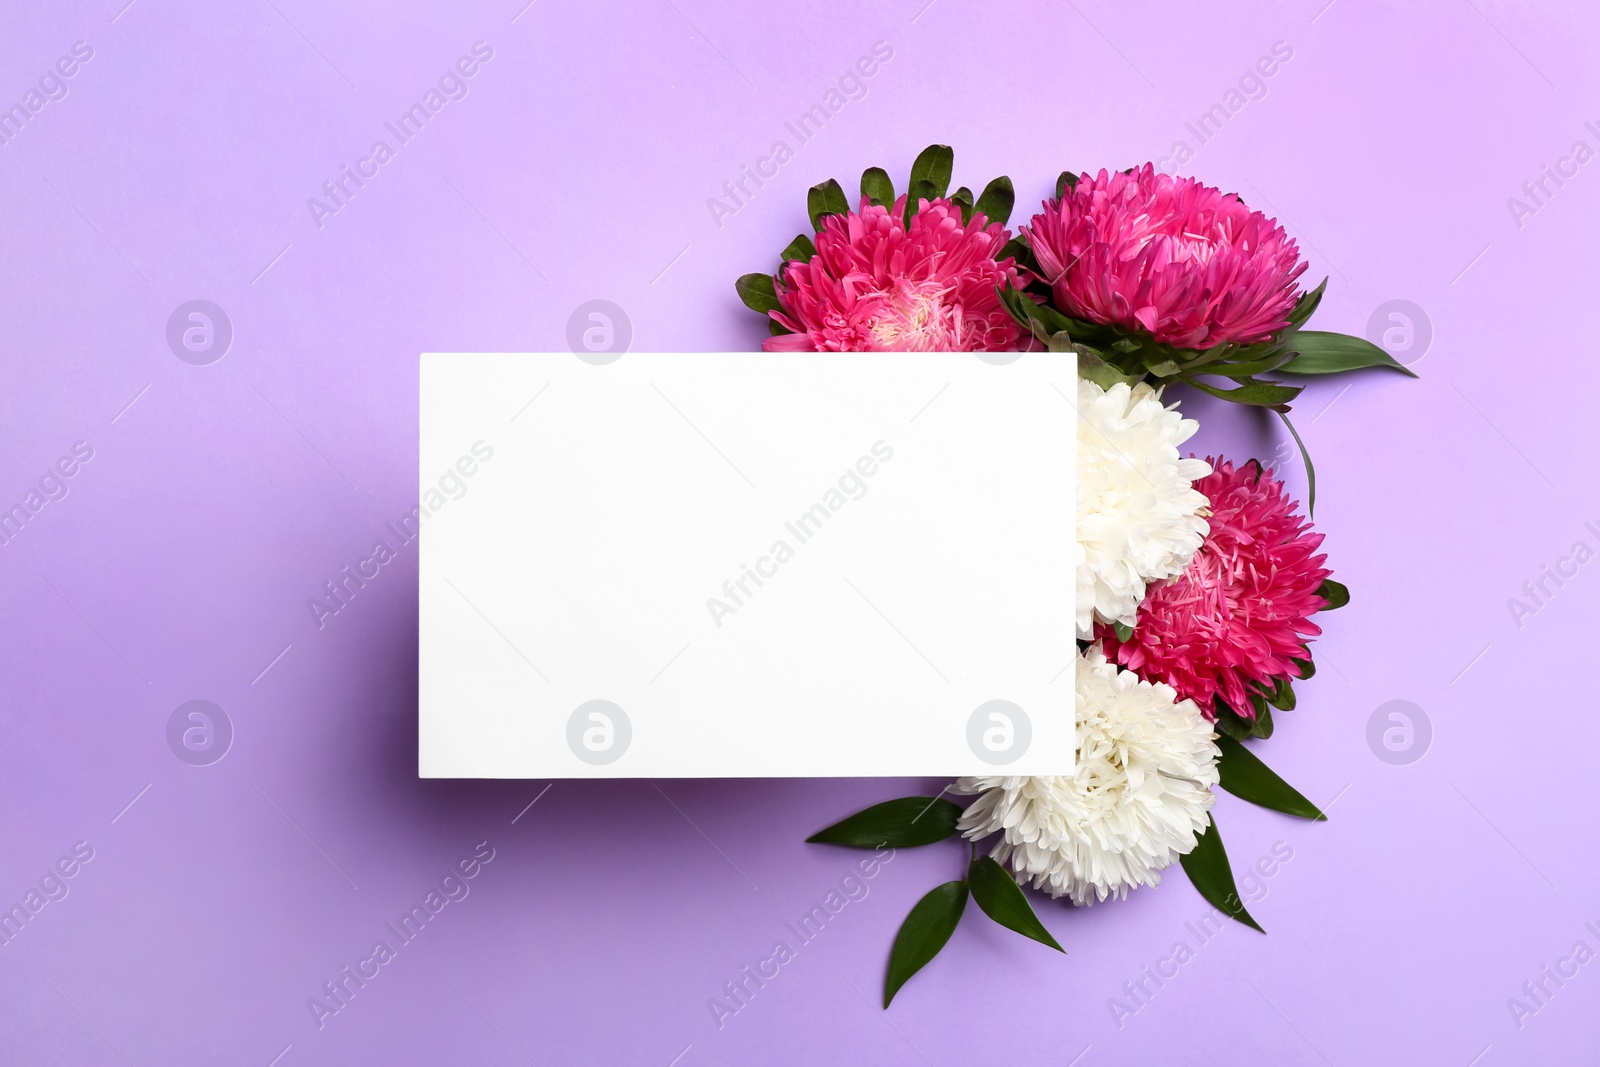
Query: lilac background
[{"x": 579, "y": 167}]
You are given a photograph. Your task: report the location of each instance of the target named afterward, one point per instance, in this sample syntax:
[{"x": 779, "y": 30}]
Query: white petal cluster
[
  {"x": 1139, "y": 517},
  {"x": 1141, "y": 793}
]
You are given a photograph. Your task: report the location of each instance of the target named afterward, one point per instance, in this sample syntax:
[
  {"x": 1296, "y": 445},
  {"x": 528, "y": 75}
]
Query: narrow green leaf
[
  {"x": 1335, "y": 593},
  {"x": 926, "y": 930},
  {"x": 877, "y": 186},
  {"x": 1307, "y": 668},
  {"x": 1271, "y": 358},
  {"x": 1306, "y": 305},
  {"x": 1257, "y": 394},
  {"x": 903, "y": 823},
  {"x": 800, "y": 249},
  {"x": 1282, "y": 695},
  {"x": 757, "y": 292},
  {"x": 1207, "y": 867},
  {"x": 825, "y": 198},
  {"x": 1065, "y": 182},
  {"x": 997, "y": 200},
  {"x": 1246, "y": 777},
  {"x": 1305, "y": 457},
  {"x": 1003, "y": 900},
  {"x": 1322, "y": 352},
  {"x": 934, "y": 166}
]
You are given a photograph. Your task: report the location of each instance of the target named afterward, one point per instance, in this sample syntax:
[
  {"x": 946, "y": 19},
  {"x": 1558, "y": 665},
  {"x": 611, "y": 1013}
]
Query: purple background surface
[{"x": 220, "y": 498}]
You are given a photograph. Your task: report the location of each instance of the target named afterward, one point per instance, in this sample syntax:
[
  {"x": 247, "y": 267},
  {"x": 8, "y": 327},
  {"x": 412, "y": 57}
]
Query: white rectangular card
[{"x": 747, "y": 564}]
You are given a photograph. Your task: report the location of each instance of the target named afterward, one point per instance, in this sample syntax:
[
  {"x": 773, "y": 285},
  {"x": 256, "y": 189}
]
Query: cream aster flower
[
  {"x": 1140, "y": 797},
  {"x": 1140, "y": 518}
]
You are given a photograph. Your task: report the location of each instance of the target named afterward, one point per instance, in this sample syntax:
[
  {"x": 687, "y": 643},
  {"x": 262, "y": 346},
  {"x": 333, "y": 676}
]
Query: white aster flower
[
  {"x": 1142, "y": 792},
  {"x": 1140, "y": 519}
]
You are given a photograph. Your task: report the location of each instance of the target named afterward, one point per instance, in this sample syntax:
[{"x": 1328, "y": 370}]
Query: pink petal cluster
[
  {"x": 1184, "y": 262},
  {"x": 1240, "y": 615},
  {"x": 876, "y": 286}
]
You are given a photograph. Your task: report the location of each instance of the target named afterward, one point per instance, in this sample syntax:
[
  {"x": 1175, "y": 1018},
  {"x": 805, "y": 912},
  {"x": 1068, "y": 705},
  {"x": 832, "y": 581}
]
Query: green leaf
[
  {"x": 1065, "y": 182},
  {"x": 776, "y": 328},
  {"x": 1207, "y": 867},
  {"x": 1282, "y": 695},
  {"x": 962, "y": 197},
  {"x": 825, "y": 198},
  {"x": 903, "y": 823},
  {"x": 931, "y": 922},
  {"x": 1017, "y": 248},
  {"x": 1246, "y": 777},
  {"x": 1306, "y": 305},
  {"x": 1305, "y": 457},
  {"x": 1124, "y": 631},
  {"x": 877, "y": 186},
  {"x": 1091, "y": 367},
  {"x": 1231, "y": 723},
  {"x": 1273, "y": 358},
  {"x": 1061, "y": 342},
  {"x": 1041, "y": 320},
  {"x": 1262, "y": 727},
  {"x": 1335, "y": 593},
  {"x": 1322, "y": 352},
  {"x": 800, "y": 248},
  {"x": 934, "y": 165},
  {"x": 1255, "y": 393},
  {"x": 921, "y": 189},
  {"x": 1307, "y": 668},
  {"x": 757, "y": 292},
  {"x": 1003, "y": 900},
  {"x": 997, "y": 200}
]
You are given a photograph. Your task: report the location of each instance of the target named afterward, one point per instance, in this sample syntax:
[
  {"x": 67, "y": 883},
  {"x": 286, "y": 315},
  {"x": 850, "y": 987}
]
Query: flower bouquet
[{"x": 1198, "y": 580}]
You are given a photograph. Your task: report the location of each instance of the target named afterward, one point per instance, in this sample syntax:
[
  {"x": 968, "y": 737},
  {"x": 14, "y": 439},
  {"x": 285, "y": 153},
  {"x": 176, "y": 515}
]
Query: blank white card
[{"x": 746, "y": 564}]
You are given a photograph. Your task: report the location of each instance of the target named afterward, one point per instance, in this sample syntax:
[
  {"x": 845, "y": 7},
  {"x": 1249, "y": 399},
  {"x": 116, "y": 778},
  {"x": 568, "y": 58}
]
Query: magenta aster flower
[
  {"x": 876, "y": 285},
  {"x": 1183, "y": 262},
  {"x": 1239, "y": 617}
]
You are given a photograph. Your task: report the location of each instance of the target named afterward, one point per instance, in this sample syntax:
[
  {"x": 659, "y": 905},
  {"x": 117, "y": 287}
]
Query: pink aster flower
[
  {"x": 1240, "y": 615},
  {"x": 1186, "y": 263},
  {"x": 875, "y": 285}
]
